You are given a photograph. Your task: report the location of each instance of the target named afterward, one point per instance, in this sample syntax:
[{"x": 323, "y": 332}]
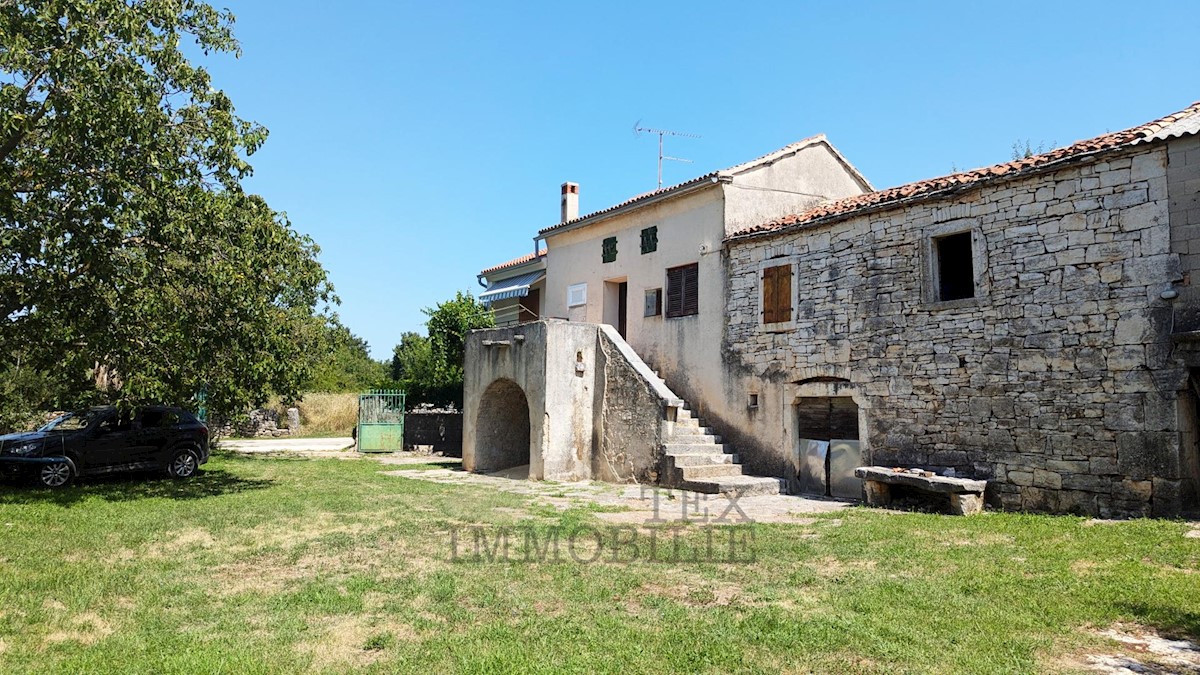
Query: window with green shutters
[
  {"x": 649, "y": 240},
  {"x": 609, "y": 252}
]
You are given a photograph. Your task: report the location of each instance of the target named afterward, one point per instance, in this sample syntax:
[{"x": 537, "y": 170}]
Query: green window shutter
[
  {"x": 609, "y": 250},
  {"x": 649, "y": 240}
]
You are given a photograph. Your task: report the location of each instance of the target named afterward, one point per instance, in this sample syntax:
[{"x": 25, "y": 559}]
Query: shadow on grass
[
  {"x": 135, "y": 486},
  {"x": 1169, "y": 621}
]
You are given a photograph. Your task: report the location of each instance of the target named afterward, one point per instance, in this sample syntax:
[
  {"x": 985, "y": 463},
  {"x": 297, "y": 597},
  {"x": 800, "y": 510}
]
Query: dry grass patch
[
  {"x": 86, "y": 628},
  {"x": 352, "y": 641}
]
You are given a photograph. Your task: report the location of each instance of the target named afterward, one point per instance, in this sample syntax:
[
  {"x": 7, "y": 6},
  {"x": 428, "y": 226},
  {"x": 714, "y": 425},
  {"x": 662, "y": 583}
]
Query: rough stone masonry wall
[
  {"x": 1055, "y": 383},
  {"x": 1183, "y": 190},
  {"x": 439, "y": 430}
]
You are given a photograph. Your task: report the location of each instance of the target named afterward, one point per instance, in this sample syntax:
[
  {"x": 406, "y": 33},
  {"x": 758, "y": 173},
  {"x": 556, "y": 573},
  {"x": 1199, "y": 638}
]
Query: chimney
[{"x": 570, "y": 201}]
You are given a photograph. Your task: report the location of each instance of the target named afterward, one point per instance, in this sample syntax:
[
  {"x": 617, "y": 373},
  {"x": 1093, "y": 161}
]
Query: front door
[{"x": 623, "y": 308}]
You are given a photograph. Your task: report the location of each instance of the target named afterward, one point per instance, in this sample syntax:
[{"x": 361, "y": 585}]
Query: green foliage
[
  {"x": 348, "y": 366},
  {"x": 130, "y": 250},
  {"x": 1024, "y": 149},
  {"x": 448, "y": 324},
  {"x": 430, "y": 369},
  {"x": 412, "y": 359}
]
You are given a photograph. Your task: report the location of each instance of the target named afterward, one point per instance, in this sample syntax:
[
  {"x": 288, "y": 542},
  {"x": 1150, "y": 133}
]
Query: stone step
[
  {"x": 742, "y": 486},
  {"x": 703, "y": 458},
  {"x": 687, "y": 437},
  {"x": 709, "y": 471},
  {"x": 674, "y": 448},
  {"x": 693, "y": 427}
]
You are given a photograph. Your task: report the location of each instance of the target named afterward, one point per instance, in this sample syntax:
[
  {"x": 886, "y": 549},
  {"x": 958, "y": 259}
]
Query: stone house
[
  {"x": 1028, "y": 323},
  {"x": 1033, "y": 323}
]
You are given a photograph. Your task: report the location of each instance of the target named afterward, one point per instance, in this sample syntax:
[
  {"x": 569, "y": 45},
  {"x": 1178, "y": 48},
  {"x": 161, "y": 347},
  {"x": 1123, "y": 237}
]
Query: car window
[
  {"x": 69, "y": 422},
  {"x": 153, "y": 418},
  {"x": 150, "y": 418},
  {"x": 117, "y": 422}
]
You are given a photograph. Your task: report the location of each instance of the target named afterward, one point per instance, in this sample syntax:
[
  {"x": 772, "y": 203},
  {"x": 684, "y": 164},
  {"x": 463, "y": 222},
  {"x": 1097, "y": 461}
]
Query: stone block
[
  {"x": 1102, "y": 466},
  {"x": 1167, "y": 498},
  {"x": 1133, "y": 490},
  {"x": 966, "y": 504},
  {"x": 1147, "y": 454},
  {"x": 877, "y": 493},
  {"x": 1047, "y": 479},
  {"x": 1022, "y": 478}
]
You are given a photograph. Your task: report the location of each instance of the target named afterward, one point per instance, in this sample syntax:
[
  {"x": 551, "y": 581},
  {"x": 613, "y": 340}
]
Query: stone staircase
[{"x": 696, "y": 459}]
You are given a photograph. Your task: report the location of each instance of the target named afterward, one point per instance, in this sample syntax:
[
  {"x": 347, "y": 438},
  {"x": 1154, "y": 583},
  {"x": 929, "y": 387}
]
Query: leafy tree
[
  {"x": 412, "y": 359},
  {"x": 430, "y": 369},
  {"x": 349, "y": 366},
  {"x": 448, "y": 324},
  {"x": 130, "y": 252}
]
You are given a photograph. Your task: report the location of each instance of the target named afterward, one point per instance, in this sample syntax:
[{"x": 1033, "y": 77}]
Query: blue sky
[{"x": 420, "y": 143}]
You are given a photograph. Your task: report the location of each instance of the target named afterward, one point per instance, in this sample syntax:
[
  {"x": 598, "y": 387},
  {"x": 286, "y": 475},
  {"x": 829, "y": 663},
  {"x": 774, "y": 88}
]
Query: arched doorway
[{"x": 502, "y": 428}]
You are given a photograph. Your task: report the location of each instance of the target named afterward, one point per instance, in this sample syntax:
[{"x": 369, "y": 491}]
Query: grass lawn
[{"x": 277, "y": 565}]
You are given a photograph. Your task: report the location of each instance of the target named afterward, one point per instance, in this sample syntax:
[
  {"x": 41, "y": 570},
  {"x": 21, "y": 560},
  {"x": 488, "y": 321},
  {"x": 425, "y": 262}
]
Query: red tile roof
[
  {"x": 528, "y": 257},
  {"x": 710, "y": 177},
  {"x": 1184, "y": 122}
]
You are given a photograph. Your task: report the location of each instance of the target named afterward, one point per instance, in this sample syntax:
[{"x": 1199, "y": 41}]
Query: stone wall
[
  {"x": 440, "y": 431},
  {"x": 1056, "y": 382},
  {"x": 1183, "y": 191}
]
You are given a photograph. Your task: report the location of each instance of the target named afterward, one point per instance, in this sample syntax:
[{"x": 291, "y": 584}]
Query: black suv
[{"x": 106, "y": 440}]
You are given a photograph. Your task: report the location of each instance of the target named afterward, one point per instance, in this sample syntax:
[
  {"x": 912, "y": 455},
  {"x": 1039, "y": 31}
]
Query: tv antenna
[{"x": 638, "y": 130}]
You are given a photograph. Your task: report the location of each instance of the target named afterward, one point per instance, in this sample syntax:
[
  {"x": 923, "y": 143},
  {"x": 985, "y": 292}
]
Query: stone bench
[{"x": 966, "y": 496}]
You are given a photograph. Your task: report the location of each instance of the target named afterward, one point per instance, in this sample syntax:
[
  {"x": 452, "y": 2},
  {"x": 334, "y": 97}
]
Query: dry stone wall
[{"x": 1056, "y": 382}]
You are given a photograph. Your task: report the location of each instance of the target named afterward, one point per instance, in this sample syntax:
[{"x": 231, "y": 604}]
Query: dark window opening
[
  {"x": 955, "y": 267},
  {"x": 683, "y": 290}
]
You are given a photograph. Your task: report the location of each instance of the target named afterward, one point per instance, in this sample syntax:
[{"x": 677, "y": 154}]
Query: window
[
  {"x": 653, "y": 302},
  {"x": 649, "y": 240},
  {"x": 955, "y": 267},
  {"x": 683, "y": 290},
  {"x": 609, "y": 250},
  {"x": 777, "y": 294},
  {"x": 576, "y": 295}
]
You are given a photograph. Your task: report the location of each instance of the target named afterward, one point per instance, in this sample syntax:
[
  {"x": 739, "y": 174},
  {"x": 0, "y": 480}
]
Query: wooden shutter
[
  {"x": 683, "y": 290},
  {"x": 777, "y": 294},
  {"x": 768, "y": 294}
]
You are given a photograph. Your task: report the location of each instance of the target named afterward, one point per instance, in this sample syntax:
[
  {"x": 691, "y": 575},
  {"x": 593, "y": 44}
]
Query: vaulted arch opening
[{"x": 502, "y": 428}]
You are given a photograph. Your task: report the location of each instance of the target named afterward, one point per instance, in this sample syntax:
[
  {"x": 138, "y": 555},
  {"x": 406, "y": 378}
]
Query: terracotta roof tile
[
  {"x": 1184, "y": 122},
  {"x": 528, "y": 257}
]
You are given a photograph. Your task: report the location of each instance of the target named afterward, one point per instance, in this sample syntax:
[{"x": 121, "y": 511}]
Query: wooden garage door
[{"x": 824, "y": 419}]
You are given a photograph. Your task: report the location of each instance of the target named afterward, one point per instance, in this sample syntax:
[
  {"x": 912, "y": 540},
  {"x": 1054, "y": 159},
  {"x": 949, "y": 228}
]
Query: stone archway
[{"x": 502, "y": 428}]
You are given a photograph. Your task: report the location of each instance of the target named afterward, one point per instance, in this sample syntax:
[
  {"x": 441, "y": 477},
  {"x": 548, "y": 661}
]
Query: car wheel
[
  {"x": 183, "y": 464},
  {"x": 56, "y": 475}
]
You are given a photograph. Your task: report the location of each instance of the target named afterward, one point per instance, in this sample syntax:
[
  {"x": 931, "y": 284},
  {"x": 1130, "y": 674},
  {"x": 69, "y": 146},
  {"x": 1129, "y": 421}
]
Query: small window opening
[
  {"x": 955, "y": 267},
  {"x": 753, "y": 402}
]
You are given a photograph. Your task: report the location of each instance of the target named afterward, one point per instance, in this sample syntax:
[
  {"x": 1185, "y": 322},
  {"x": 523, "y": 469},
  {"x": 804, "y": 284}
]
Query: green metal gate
[{"x": 381, "y": 421}]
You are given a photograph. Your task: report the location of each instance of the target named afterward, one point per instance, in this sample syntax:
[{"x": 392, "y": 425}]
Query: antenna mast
[{"x": 639, "y": 129}]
